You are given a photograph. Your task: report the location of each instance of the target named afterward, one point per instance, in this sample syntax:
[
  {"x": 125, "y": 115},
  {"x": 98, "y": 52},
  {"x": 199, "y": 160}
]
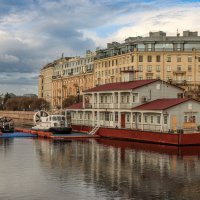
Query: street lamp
[{"x": 77, "y": 91}]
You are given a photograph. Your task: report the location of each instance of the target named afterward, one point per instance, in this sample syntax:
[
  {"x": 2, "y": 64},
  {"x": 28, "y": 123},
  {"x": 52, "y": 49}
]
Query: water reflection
[
  {"x": 115, "y": 169},
  {"x": 5, "y": 145}
]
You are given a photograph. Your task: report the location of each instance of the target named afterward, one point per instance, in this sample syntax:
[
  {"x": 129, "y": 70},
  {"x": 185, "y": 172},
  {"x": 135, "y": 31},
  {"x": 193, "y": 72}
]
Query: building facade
[
  {"x": 175, "y": 59},
  {"x": 72, "y": 76},
  {"x": 45, "y": 82},
  {"x": 171, "y": 58}
]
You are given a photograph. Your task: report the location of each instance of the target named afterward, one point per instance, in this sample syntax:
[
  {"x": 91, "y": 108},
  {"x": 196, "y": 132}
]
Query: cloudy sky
[{"x": 36, "y": 32}]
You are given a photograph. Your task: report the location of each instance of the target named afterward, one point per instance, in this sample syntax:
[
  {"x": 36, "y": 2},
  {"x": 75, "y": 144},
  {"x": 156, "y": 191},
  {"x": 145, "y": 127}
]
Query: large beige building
[
  {"x": 45, "y": 82},
  {"x": 67, "y": 76},
  {"x": 175, "y": 59},
  {"x": 63, "y": 87},
  {"x": 170, "y": 58}
]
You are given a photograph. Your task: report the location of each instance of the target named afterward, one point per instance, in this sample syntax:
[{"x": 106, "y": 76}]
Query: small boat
[
  {"x": 6, "y": 125},
  {"x": 55, "y": 123}
]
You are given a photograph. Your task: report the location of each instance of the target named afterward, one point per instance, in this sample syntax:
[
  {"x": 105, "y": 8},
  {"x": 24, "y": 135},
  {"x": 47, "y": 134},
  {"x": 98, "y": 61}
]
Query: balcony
[
  {"x": 179, "y": 72},
  {"x": 179, "y": 82},
  {"x": 88, "y": 105},
  {"x": 89, "y": 70},
  {"x": 149, "y": 72},
  {"x": 106, "y": 105}
]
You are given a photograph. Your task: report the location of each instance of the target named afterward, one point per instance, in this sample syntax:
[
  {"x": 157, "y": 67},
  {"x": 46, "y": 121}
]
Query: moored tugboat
[{"x": 6, "y": 125}]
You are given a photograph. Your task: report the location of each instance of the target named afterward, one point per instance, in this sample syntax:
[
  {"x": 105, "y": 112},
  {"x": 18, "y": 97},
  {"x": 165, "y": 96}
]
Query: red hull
[
  {"x": 152, "y": 137},
  {"x": 146, "y": 136}
]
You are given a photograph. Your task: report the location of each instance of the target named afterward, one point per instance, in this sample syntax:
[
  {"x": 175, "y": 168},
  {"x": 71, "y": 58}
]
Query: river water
[{"x": 39, "y": 169}]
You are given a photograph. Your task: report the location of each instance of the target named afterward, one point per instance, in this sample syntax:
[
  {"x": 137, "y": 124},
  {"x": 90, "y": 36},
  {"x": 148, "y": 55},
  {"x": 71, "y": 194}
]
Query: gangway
[{"x": 94, "y": 130}]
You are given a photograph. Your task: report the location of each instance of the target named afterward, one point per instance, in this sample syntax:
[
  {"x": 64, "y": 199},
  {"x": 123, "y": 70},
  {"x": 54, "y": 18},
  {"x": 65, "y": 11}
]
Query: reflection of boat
[
  {"x": 6, "y": 125},
  {"x": 56, "y": 124},
  {"x": 163, "y": 149}
]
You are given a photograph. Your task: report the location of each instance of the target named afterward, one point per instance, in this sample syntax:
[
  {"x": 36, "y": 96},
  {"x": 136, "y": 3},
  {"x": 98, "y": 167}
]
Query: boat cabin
[{"x": 53, "y": 121}]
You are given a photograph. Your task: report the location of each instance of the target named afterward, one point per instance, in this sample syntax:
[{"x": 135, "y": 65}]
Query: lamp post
[{"x": 77, "y": 92}]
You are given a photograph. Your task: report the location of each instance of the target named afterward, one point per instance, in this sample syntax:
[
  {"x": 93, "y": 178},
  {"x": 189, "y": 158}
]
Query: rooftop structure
[
  {"x": 156, "y": 41},
  {"x": 74, "y": 65}
]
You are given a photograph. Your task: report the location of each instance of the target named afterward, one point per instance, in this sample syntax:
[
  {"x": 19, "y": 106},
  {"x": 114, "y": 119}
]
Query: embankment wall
[{"x": 21, "y": 118}]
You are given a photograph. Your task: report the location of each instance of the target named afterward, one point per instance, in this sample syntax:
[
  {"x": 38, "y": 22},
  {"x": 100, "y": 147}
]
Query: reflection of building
[
  {"x": 117, "y": 172},
  {"x": 170, "y": 58}
]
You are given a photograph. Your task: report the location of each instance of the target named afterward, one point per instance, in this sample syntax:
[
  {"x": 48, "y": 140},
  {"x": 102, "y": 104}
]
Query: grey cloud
[
  {"x": 18, "y": 80},
  {"x": 47, "y": 28}
]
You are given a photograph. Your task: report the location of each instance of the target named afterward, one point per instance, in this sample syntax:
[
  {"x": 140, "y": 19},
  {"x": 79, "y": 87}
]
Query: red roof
[
  {"x": 122, "y": 85},
  {"x": 76, "y": 106},
  {"x": 161, "y": 104}
]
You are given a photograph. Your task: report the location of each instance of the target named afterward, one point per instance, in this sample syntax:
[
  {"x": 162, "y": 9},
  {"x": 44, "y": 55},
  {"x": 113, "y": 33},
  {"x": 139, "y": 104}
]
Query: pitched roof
[
  {"x": 76, "y": 106},
  {"x": 121, "y": 85},
  {"x": 161, "y": 104}
]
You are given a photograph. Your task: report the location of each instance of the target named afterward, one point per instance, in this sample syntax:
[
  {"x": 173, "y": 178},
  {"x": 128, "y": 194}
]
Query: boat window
[
  {"x": 59, "y": 118},
  {"x": 54, "y": 118},
  {"x": 165, "y": 120}
]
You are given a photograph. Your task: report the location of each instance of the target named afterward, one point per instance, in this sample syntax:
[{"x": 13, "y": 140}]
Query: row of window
[
  {"x": 168, "y": 68},
  {"x": 149, "y": 77},
  {"x": 109, "y": 99},
  {"x": 73, "y": 70},
  {"x": 149, "y": 68},
  {"x": 148, "y": 47},
  {"x": 168, "y": 77},
  {"x": 76, "y": 63},
  {"x": 149, "y": 58},
  {"x": 191, "y": 118},
  {"x": 147, "y": 119},
  {"x": 168, "y": 58},
  {"x": 109, "y": 117}
]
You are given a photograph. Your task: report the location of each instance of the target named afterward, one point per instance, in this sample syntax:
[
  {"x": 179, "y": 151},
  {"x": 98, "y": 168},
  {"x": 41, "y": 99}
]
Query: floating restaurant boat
[
  {"x": 152, "y": 111},
  {"x": 55, "y": 124},
  {"x": 6, "y": 125}
]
